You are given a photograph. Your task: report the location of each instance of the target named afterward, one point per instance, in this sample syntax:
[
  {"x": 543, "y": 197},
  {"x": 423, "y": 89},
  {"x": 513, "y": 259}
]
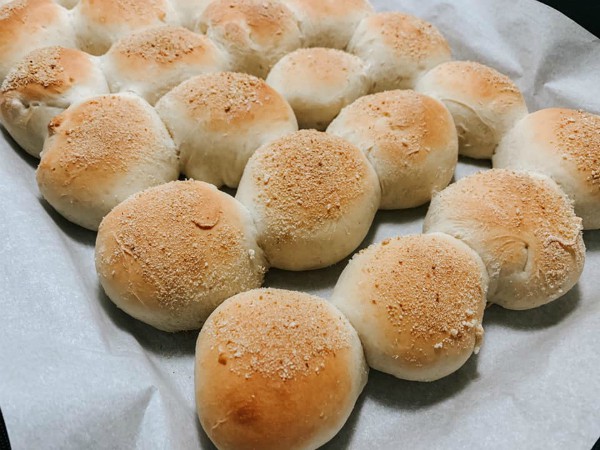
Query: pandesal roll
[
  {"x": 99, "y": 24},
  {"x": 417, "y": 304},
  {"x": 276, "y": 370},
  {"x": 101, "y": 151},
  {"x": 329, "y": 23},
  {"x": 565, "y": 145},
  {"x": 153, "y": 61},
  {"x": 318, "y": 83},
  {"x": 41, "y": 86},
  {"x": 256, "y": 33},
  {"x": 313, "y": 197},
  {"x": 398, "y": 48},
  {"x": 190, "y": 11},
  {"x": 523, "y": 227},
  {"x": 410, "y": 140},
  {"x": 26, "y": 25},
  {"x": 484, "y": 103},
  {"x": 169, "y": 255},
  {"x": 218, "y": 120}
]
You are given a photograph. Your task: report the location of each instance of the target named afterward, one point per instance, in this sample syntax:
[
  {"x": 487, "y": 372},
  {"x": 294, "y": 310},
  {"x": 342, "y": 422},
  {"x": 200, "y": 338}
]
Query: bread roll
[
  {"x": 26, "y": 25},
  {"x": 218, "y": 120},
  {"x": 417, "y": 304},
  {"x": 409, "y": 138},
  {"x": 256, "y": 33},
  {"x": 484, "y": 103},
  {"x": 313, "y": 197},
  {"x": 276, "y": 370},
  {"x": 565, "y": 145},
  {"x": 329, "y": 23},
  {"x": 101, "y": 151},
  {"x": 101, "y": 23},
  {"x": 318, "y": 83},
  {"x": 398, "y": 49},
  {"x": 169, "y": 255},
  {"x": 190, "y": 11},
  {"x": 151, "y": 62},
  {"x": 523, "y": 227},
  {"x": 41, "y": 86}
]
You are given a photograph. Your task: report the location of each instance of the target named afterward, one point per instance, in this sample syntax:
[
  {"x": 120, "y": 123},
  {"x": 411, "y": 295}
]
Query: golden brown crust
[
  {"x": 308, "y": 178},
  {"x": 266, "y": 19},
  {"x": 408, "y": 35},
  {"x": 575, "y": 136},
  {"x": 173, "y": 245},
  {"x": 273, "y": 368},
  {"x": 330, "y": 66},
  {"x": 163, "y": 46},
  {"x": 45, "y": 72},
  {"x": 428, "y": 297},
  {"x": 20, "y": 18},
  {"x": 403, "y": 125},
  {"x": 519, "y": 223},
  {"x": 101, "y": 137},
  {"x": 231, "y": 100},
  {"x": 479, "y": 82},
  {"x": 130, "y": 12},
  {"x": 319, "y": 9}
]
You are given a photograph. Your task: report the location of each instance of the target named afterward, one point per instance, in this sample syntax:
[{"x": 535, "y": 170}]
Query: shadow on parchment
[
  {"x": 75, "y": 232},
  {"x": 30, "y": 160}
]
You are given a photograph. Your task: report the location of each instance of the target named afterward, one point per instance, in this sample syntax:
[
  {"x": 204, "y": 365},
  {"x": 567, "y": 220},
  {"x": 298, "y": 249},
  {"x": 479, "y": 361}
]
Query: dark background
[{"x": 584, "y": 12}]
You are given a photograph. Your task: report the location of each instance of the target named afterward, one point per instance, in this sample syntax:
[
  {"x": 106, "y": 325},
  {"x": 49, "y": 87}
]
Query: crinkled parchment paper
[{"x": 76, "y": 372}]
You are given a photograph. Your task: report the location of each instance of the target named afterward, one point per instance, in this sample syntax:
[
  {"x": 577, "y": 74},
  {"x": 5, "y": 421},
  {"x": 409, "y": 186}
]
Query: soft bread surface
[
  {"x": 218, "y": 120},
  {"x": 417, "y": 304},
  {"x": 329, "y": 23},
  {"x": 190, "y": 11},
  {"x": 398, "y": 49},
  {"x": 524, "y": 228},
  {"x": 41, "y": 86},
  {"x": 101, "y": 151},
  {"x": 484, "y": 103},
  {"x": 565, "y": 145},
  {"x": 410, "y": 140},
  {"x": 26, "y": 25},
  {"x": 313, "y": 197},
  {"x": 100, "y": 23},
  {"x": 151, "y": 62},
  {"x": 170, "y": 255},
  {"x": 318, "y": 83},
  {"x": 256, "y": 33},
  {"x": 276, "y": 370}
]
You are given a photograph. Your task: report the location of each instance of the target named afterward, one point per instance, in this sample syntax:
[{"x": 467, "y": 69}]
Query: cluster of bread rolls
[{"x": 119, "y": 98}]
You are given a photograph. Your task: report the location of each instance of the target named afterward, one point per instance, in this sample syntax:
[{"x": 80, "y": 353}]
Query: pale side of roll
[
  {"x": 70, "y": 4},
  {"x": 318, "y": 83},
  {"x": 101, "y": 151},
  {"x": 565, "y": 145},
  {"x": 313, "y": 197},
  {"x": 275, "y": 370},
  {"x": 42, "y": 85},
  {"x": 151, "y": 62},
  {"x": 256, "y": 33},
  {"x": 417, "y": 304},
  {"x": 398, "y": 49},
  {"x": 409, "y": 138},
  {"x": 484, "y": 103},
  {"x": 171, "y": 254},
  {"x": 329, "y": 23},
  {"x": 26, "y": 25},
  {"x": 99, "y": 24},
  {"x": 524, "y": 228},
  {"x": 218, "y": 121},
  {"x": 190, "y": 11}
]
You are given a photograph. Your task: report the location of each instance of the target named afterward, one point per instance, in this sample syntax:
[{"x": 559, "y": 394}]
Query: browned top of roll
[
  {"x": 230, "y": 100},
  {"x": 132, "y": 12},
  {"x": 309, "y": 177},
  {"x": 47, "y": 71}
]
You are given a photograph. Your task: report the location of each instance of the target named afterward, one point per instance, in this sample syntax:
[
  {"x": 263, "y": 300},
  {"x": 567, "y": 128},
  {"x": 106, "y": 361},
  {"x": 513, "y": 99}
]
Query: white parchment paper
[{"x": 76, "y": 372}]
